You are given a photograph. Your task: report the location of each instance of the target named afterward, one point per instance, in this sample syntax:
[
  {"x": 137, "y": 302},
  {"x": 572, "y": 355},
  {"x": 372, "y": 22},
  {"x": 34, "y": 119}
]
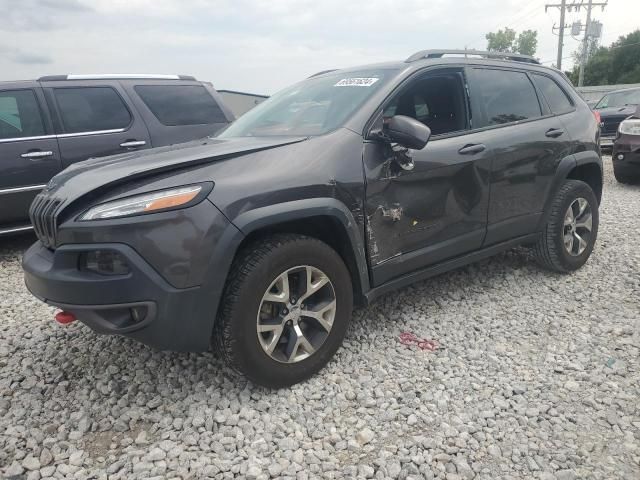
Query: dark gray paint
[{"x": 398, "y": 225}]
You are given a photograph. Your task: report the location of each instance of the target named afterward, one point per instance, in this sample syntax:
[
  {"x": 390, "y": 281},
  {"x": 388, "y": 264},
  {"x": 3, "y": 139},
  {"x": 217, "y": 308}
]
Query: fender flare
[
  {"x": 262, "y": 217},
  {"x": 212, "y": 287},
  {"x": 566, "y": 165}
]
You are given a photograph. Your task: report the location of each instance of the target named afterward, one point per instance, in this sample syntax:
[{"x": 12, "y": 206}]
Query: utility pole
[
  {"x": 562, "y": 6},
  {"x": 575, "y": 5},
  {"x": 585, "y": 45},
  {"x": 561, "y": 35}
]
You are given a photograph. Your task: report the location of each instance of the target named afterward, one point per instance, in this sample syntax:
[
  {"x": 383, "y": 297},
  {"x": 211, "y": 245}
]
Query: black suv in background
[
  {"x": 613, "y": 108},
  {"x": 340, "y": 188},
  {"x": 50, "y": 123}
]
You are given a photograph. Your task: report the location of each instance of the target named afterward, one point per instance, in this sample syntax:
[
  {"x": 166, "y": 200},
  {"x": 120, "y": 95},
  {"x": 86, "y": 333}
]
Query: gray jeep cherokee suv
[
  {"x": 338, "y": 189},
  {"x": 50, "y": 123}
]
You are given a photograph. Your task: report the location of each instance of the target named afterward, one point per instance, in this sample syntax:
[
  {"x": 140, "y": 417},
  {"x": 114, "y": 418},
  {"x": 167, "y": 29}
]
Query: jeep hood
[{"x": 84, "y": 177}]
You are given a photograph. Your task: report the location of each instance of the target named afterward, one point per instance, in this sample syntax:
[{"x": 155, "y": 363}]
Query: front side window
[
  {"x": 20, "y": 115},
  {"x": 558, "y": 101},
  {"x": 619, "y": 99},
  {"x": 176, "y": 105},
  {"x": 91, "y": 109},
  {"x": 437, "y": 100},
  {"x": 506, "y": 96},
  {"x": 312, "y": 107}
]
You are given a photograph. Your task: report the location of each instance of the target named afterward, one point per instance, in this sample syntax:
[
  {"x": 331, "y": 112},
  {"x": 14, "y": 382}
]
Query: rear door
[
  {"x": 528, "y": 142},
  {"x": 29, "y": 154},
  {"x": 93, "y": 119},
  {"x": 178, "y": 110}
]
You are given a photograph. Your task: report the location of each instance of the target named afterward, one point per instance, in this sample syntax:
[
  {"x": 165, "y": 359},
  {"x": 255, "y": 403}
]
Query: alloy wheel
[
  {"x": 296, "y": 314},
  {"x": 578, "y": 223}
]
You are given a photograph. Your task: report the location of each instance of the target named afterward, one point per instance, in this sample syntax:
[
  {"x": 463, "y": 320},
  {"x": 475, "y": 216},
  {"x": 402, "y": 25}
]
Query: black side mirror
[{"x": 408, "y": 132}]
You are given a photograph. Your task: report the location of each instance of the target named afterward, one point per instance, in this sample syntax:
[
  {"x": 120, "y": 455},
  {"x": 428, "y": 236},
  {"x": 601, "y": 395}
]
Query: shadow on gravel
[{"x": 20, "y": 242}]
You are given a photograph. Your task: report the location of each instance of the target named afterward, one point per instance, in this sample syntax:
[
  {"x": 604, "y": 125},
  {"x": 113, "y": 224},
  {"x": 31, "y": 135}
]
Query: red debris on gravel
[{"x": 409, "y": 339}]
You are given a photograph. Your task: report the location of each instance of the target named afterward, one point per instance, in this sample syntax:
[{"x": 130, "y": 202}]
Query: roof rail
[
  {"x": 516, "y": 57},
  {"x": 322, "y": 72},
  {"x": 116, "y": 76}
]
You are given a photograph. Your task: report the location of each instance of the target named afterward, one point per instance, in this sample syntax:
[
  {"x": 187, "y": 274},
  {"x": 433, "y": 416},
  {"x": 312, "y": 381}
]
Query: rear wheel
[
  {"x": 570, "y": 233},
  {"x": 285, "y": 311}
]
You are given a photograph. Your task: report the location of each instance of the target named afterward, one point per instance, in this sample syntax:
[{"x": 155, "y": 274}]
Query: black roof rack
[{"x": 516, "y": 57}]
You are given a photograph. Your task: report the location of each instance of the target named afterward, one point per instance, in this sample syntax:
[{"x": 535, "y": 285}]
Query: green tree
[
  {"x": 619, "y": 63},
  {"x": 527, "y": 42},
  {"x": 506, "y": 41},
  {"x": 501, "y": 41}
]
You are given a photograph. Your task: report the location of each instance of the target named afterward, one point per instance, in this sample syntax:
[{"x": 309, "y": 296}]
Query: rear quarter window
[
  {"x": 175, "y": 105},
  {"x": 556, "y": 98}
]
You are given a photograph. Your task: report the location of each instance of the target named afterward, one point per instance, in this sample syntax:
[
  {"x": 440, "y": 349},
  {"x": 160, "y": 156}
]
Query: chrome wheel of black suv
[
  {"x": 285, "y": 310},
  {"x": 571, "y": 229}
]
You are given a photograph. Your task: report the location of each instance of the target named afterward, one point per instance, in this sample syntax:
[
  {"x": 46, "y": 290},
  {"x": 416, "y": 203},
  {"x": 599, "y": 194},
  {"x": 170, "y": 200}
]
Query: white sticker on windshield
[{"x": 356, "y": 82}]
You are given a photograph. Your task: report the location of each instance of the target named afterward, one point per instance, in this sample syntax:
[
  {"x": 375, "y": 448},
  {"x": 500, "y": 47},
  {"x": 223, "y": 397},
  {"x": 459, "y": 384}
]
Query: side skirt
[{"x": 451, "y": 264}]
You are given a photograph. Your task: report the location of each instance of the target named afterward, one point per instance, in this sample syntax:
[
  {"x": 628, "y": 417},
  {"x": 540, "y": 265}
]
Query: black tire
[
  {"x": 252, "y": 272},
  {"x": 550, "y": 251},
  {"x": 626, "y": 179}
]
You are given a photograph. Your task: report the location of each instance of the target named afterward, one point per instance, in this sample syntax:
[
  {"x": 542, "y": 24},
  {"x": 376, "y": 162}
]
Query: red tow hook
[{"x": 64, "y": 318}]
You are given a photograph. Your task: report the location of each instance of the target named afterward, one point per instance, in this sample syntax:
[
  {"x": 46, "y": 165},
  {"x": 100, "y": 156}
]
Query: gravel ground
[{"x": 536, "y": 376}]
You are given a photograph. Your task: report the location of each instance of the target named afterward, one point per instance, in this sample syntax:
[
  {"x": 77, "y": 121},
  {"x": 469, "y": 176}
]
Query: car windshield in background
[
  {"x": 620, "y": 99},
  {"x": 312, "y": 107}
]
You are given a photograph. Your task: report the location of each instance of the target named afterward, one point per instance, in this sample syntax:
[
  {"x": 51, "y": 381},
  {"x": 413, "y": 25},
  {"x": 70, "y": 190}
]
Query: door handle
[
  {"x": 133, "y": 144},
  {"x": 38, "y": 154},
  {"x": 472, "y": 149},
  {"x": 554, "y": 132}
]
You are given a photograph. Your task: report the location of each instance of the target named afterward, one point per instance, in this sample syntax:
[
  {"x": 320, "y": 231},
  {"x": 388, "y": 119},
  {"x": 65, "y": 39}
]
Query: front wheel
[
  {"x": 570, "y": 233},
  {"x": 285, "y": 311}
]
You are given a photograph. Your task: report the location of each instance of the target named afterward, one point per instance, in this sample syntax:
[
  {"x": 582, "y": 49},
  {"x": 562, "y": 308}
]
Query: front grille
[
  {"x": 43, "y": 214},
  {"x": 610, "y": 125}
]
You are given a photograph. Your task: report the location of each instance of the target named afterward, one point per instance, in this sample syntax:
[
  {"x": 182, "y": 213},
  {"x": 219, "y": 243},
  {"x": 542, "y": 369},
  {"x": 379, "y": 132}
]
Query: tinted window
[
  {"x": 556, "y": 98},
  {"x": 507, "y": 96},
  {"x": 20, "y": 114},
  {"x": 91, "y": 109},
  {"x": 181, "y": 104},
  {"x": 437, "y": 100}
]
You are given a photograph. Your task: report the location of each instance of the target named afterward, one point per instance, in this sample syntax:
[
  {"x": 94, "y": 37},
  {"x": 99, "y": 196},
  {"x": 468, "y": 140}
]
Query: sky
[{"x": 262, "y": 46}]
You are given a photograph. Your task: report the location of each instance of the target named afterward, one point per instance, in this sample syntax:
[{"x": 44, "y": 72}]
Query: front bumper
[
  {"x": 141, "y": 304},
  {"x": 626, "y": 155}
]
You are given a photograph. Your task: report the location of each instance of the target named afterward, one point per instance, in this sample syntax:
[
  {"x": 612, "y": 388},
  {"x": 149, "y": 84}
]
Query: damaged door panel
[{"x": 435, "y": 211}]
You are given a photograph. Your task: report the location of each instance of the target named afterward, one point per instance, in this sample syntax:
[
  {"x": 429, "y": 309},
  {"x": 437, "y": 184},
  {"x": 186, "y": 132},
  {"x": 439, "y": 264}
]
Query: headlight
[
  {"x": 630, "y": 126},
  {"x": 145, "y": 203}
]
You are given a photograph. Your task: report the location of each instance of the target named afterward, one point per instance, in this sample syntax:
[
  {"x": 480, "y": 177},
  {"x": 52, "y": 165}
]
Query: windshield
[
  {"x": 312, "y": 107},
  {"x": 620, "y": 99}
]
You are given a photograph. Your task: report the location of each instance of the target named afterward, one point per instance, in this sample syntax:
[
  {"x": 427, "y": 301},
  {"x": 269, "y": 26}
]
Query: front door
[
  {"x": 29, "y": 154},
  {"x": 434, "y": 206}
]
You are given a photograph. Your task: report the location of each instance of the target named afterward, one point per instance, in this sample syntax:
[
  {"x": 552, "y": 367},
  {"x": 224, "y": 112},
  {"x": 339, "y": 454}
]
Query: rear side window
[
  {"x": 181, "y": 104},
  {"x": 506, "y": 96},
  {"x": 91, "y": 109},
  {"x": 553, "y": 94},
  {"x": 20, "y": 115}
]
